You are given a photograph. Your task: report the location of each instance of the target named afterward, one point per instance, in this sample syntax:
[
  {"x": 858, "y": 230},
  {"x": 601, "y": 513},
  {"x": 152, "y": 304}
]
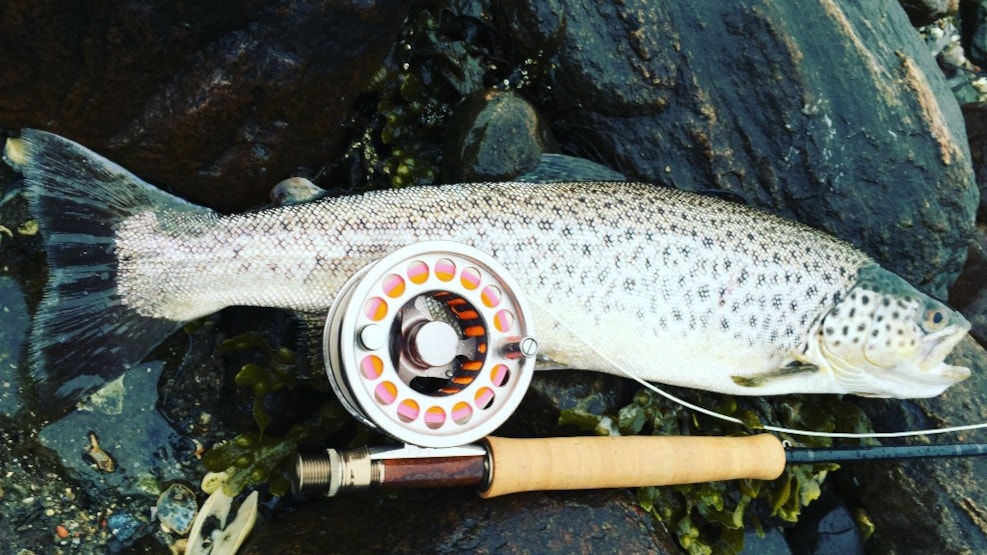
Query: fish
[{"x": 625, "y": 278}]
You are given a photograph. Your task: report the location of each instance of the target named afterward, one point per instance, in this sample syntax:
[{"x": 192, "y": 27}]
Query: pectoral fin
[
  {"x": 758, "y": 380},
  {"x": 543, "y": 362}
]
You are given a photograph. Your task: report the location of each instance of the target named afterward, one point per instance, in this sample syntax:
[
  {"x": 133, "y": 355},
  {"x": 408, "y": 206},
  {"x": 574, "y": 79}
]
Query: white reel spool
[{"x": 432, "y": 344}]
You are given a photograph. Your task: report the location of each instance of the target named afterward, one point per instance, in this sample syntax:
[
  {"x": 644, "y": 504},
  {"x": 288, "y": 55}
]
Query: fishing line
[
  {"x": 795, "y": 431},
  {"x": 778, "y": 429}
]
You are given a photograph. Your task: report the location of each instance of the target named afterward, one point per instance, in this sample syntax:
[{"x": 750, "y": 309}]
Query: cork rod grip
[{"x": 518, "y": 465}]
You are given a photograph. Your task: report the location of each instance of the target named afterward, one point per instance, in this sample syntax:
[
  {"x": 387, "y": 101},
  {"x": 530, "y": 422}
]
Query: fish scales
[
  {"x": 625, "y": 278},
  {"x": 678, "y": 274}
]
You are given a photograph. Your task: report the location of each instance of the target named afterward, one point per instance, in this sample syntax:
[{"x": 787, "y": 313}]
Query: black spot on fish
[
  {"x": 886, "y": 302},
  {"x": 864, "y": 299},
  {"x": 846, "y": 330},
  {"x": 853, "y": 311}
]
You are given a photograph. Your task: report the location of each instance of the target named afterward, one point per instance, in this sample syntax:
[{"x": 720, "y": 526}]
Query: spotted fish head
[{"x": 884, "y": 338}]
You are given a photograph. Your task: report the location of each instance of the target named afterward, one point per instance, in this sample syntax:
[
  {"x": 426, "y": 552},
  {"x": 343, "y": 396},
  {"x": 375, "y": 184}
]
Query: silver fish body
[{"x": 625, "y": 278}]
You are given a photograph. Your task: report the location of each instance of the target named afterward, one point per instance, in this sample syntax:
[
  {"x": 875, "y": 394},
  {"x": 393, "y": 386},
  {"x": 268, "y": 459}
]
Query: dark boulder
[
  {"x": 195, "y": 96},
  {"x": 833, "y": 114},
  {"x": 924, "y": 12},
  {"x": 494, "y": 136}
]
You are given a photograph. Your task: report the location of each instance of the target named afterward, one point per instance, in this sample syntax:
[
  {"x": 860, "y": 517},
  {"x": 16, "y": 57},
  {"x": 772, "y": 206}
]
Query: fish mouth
[{"x": 937, "y": 347}]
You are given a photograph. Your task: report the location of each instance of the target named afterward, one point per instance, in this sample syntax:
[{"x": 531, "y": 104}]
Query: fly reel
[{"x": 432, "y": 344}]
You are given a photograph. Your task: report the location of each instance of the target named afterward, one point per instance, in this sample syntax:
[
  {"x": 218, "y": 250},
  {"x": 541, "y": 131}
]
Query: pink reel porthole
[{"x": 433, "y": 344}]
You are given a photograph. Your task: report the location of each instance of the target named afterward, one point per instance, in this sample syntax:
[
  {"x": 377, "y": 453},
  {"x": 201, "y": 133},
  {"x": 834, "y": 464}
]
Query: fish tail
[{"x": 82, "y": 334}]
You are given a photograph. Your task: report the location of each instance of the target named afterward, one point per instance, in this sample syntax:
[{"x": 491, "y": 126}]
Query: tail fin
[{"x": 82, "y": 336}]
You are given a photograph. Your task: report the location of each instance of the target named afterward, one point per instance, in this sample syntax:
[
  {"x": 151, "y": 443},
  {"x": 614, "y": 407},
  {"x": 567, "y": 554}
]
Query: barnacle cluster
[{"x": 711, "y": 517}]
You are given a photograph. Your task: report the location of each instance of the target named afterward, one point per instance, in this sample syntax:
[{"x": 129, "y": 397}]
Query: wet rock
[
  {"x": 923, "y": 12},
  {"x": 944, "y": 42},
  {"x": 14, "y": 320},
  {"x": 827, "y": 527},
  {"x": 458, "y": 521},
  {"x": 494, "y": 136},
  {"x": 772, "y": 542},
  {"x": 748, "y": 99},
  {"x": 195, "y": 95},
  {"x": 973, "y": 19},
  {"x": 934, "y": 505},
  {"x": 975, "y": 116},
  {"x": 969, "y": 293},
  {"x": 138, "y": 440}
]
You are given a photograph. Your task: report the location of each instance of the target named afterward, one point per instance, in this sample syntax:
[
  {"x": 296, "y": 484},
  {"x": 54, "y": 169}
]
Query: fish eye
[{"x": 934, "y": 319}]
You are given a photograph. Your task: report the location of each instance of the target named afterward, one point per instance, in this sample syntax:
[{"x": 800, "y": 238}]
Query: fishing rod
[
  {"x": 500, "y": 466},
  {"x": 434, "y": 345}
]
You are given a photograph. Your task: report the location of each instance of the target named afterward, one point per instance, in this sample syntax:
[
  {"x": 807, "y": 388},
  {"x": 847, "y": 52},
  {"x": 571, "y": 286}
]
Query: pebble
[{"x": 176, "y": 509}]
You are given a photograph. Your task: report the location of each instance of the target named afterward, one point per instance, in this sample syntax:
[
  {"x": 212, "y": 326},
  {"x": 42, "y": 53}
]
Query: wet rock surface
[
  {"x": 969, "y": 294},
  {"x": 494, "y": 136},
  {"x": 973, "y": 14},
  {"x": 189, "y": 95},
  {"x": 923, "y": 12},
  {"x": 718, "y": 95},
  {"x": 458, "y": 521},
  {"x": 975, "y": 115},
  {"x": 826, "y": 528}
]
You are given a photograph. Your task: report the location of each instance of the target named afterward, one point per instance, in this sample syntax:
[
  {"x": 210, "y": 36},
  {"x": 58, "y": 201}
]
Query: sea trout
[{"x": 624, "y": 278}]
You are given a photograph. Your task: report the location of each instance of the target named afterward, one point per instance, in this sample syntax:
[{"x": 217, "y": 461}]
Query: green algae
[
  {"x": 710, "y": 518},
  {"x": 436, "y": 62},
  {"x": 259, "y": 458}
]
